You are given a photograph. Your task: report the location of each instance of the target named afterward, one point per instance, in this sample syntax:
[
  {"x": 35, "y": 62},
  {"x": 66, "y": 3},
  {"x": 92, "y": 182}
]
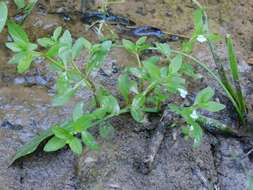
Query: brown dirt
[{"x": 217, "y": 162}]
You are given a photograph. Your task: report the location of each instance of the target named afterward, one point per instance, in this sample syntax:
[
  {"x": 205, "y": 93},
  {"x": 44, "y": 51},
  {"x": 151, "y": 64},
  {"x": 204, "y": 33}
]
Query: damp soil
[{"x": 25, "y": 110}]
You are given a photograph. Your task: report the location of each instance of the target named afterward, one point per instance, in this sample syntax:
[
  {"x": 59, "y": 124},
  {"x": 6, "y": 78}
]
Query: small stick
[
  {"x": 154, "y": 147},
  {"x": 156, "y": 141}
]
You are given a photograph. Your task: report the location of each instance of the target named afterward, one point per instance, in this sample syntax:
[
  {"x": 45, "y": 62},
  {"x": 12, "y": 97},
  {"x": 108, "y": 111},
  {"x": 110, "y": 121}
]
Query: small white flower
[
  {"x": 191, "y": 128},
  {"x": 201, "y": 38},
  {"x": 183, "y": 92},
  {"x": 194, "y": 115}
]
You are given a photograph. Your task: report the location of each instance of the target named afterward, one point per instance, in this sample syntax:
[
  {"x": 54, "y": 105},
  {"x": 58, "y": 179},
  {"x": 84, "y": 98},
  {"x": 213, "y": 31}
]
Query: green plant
[
  {"x": 152, "y": 86},
  {"x": 21, "y": 7},
  {"x": 233, "y": 90},
  {"x": 145, "y": 87}
]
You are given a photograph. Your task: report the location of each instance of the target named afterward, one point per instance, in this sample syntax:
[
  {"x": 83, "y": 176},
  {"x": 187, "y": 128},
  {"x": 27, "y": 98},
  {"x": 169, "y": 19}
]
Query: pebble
[{"x": 250, "y": 61}]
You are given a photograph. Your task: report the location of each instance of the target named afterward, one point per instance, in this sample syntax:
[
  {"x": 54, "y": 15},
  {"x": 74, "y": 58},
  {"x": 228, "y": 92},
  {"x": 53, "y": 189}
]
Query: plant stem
[
  {"x": 138, "y": 60},
  {"x": 53, "y": 61},
  {"x": 140, "y": 66}
]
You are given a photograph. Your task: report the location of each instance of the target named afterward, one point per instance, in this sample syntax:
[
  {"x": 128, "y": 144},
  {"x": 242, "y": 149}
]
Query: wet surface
[{"x": 25, "y": 110}]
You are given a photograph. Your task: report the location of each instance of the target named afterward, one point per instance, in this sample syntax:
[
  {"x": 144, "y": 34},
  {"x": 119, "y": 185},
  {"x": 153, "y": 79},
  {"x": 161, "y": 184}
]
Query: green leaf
[
  {"x": 204, "y": 96},
  {"x": 75, "y": 145},
  {"x": 98, "y": 114},
  {"x": 82, "y": 123},
  {"x": 45, "y": 42},
  {"x": 130, "y": 46},
  {"x": 187, "y": 47},
  {"x": 151, "y": 68},
  {"x": 17, "y": 57},
  {"x": 141, "y": 40},
  {"x": 98, "y": 56},
  {"x": 31, "y": 145},
  {"x": 62, "y": 83},
  {"x": 175, "y": 64},
  {"x": 66, "y": 39},
  {"x": 136, "y": 108},
  {"x": 25, "y": 63},
  {"x": 123, "y": 85},
  {"x": 65, "y": 54},
  {"x": 214, "y": 37},
  {"x": 57, "y": 33},
  {"x": 188, "y": 70},
  {"x": 213, "y": 106},
  {"x": 60, "y": 100},
  {"x": 17, "y": 33},
  {"x": 232, "y": 58},
  {"x": 137, "y": 72},
  {"x": 235, "y": 75},
  {"x": 110, "y": 104},
  {"x": 61, "y": 133},
  {"x": 163, "y": 49},
  {"x": 13, "y": 46},
  {"x": 198, "y": 21},
  {"x": 195, "y": 132},
  {"x": 3, "y": 14},
  {"x": 54, "y": 144},
  {"x": 126, "y": 86},
  {"x": 20, "y": 3},
  {"x": 53, "y": 51},
  {"x": 78, "y": 111},
  {"x": 79, "y": 44},
  {"x": 89, "y": 140},
  {"x": 31, "y": 46},
  {"x": 197, "y": 135},
  {"x": 173, "y": 82}
]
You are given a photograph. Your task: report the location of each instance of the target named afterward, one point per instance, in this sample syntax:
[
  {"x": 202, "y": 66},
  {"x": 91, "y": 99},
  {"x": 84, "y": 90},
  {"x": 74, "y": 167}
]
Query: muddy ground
[{"x": 25, "y": 110}]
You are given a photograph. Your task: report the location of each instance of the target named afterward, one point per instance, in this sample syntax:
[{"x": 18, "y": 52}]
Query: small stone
[
  {"x": 250, "y": 61},
  {"x": 89, "y": 160}
]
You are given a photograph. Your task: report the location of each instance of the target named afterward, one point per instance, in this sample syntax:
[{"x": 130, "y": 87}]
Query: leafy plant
[
  {"x": 233, "y": 90},
  {"x": 145, "y": 87}
]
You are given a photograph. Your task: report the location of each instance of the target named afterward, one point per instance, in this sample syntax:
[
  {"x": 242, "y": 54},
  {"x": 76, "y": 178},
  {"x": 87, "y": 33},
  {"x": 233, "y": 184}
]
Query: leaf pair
[
  {"x": 21, "y": 45},
  {"x": 137, "y": 47},
  {"x": 203, "y": 98}
]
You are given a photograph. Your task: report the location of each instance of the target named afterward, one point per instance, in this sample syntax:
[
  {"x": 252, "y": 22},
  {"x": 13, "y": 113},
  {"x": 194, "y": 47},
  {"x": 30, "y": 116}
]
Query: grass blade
[
  {"x": 3, "y": 14},
  {"x": 234, "y": 71}
]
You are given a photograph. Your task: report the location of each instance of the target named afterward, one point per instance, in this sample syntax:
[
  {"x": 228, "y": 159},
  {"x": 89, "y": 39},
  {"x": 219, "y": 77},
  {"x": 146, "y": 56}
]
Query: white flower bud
[
  {"x": 183, "y": 92},
  {"x": 194, "y": 115},
  {"x": 201, "y": 38}
]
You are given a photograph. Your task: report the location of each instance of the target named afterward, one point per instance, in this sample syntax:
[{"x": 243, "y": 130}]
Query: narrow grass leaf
[{"x": 3, "y": 14}]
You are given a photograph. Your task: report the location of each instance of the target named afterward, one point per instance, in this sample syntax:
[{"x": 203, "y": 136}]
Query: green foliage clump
[{"x": 145, "y": 87}]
